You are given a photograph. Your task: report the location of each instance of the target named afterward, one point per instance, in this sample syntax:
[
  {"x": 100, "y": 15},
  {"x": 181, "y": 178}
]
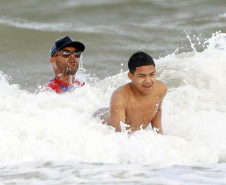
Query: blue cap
[{"x": 64, "y": 42}]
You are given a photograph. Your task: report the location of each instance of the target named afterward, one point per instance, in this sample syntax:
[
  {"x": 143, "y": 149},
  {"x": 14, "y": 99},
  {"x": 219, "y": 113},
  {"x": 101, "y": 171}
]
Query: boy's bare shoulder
[
  {"x": 122, "y": 92},
  {"x": 161, "y": 87}
]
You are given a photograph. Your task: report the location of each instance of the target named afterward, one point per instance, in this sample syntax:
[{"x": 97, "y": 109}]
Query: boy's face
[{"x": 143, "y": 78}]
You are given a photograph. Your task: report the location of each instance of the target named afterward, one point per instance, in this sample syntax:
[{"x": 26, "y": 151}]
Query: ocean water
[{"x": 47, "y": 138}]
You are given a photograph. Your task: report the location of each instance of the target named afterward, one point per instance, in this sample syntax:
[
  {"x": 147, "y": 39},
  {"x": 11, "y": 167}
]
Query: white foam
[{"x": 47, "y": 126}]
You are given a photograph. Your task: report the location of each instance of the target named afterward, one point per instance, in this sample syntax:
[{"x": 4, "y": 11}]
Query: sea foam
[{"x": 46, "y": 126}]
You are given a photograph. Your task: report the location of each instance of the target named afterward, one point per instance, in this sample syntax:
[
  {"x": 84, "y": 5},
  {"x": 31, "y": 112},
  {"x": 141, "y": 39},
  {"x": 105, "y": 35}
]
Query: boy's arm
[
  {"x": 157, "y": 120},
  {"x": 117, "y": 111}
]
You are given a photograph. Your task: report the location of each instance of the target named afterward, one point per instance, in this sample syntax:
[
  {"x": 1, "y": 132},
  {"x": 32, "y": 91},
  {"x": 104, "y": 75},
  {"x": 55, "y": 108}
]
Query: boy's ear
[{"x": 130, "y": 75}]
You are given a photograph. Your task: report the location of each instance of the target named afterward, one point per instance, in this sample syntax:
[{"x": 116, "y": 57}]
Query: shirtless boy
[{"x": 138, "y": 103}]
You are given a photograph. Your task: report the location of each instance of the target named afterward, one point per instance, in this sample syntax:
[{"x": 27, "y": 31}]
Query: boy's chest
[{"x": 138, "y": 113}]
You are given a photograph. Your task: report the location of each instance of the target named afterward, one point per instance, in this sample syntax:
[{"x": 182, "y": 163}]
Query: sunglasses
[{"x": 67, "y": 53}]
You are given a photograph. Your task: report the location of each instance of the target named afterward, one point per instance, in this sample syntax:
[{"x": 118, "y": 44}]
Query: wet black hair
[{"x": 139, "y": 59}]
